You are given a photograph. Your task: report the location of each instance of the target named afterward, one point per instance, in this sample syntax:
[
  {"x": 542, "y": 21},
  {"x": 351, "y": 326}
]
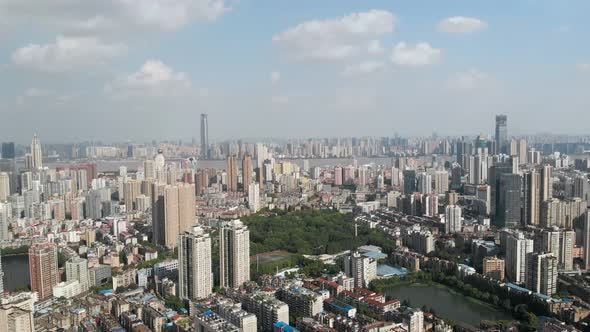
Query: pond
[{"x": 447, "y": 304}]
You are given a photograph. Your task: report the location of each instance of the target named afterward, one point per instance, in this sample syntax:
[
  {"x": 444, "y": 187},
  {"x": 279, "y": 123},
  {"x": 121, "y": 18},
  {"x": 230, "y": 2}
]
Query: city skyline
[{"x": 330, "y": 63}]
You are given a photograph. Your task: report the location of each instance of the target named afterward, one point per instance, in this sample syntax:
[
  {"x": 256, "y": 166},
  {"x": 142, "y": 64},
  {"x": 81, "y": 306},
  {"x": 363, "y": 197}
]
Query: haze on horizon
[{"x": 145, "y": 69}]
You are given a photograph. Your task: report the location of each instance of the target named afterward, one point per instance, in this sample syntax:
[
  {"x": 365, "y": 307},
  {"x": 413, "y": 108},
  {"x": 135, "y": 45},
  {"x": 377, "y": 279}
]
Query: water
[
  {"x": 16, "y": 272},
  {"x": 447, "y": 304}
]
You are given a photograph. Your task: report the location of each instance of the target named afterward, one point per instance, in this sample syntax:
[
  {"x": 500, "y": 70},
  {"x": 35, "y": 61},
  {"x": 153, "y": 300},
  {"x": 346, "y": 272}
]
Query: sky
[{"x": 137, "y": 70}]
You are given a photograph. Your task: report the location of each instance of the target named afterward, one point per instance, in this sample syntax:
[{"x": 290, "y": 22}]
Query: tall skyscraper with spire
[
  {"x": 36, "y": 153},
  {"x": 204, "y": 137}
]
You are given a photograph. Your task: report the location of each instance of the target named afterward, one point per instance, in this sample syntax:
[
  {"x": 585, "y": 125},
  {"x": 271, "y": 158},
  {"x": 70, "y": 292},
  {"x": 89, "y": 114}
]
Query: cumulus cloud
[
  {"x": 461, "y": 24},
  {"x": 365, "y": 67},
  {"x": 337, "y": 38},
  {"x": 67, "y": 54},
  {"x": 153, "y": 79},
  {"x": 107, "y": 15},
  {"x": 275, "y": 77},
  {"x": 467, "y": 80},
  {"x": 421, "y": 54}
]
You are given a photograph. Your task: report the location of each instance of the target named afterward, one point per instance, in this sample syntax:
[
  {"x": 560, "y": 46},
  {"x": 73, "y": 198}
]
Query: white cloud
[
  {"x": 375, "y": 47},
  {"x": 461, "y": 24},
  {"x": 108, "y": 15},
  {"x": 584, "y": 66},
  {"x": 36, "y": 94},
  {"x": 337, "y": 38},
  {"x": 421, "y": 54},
  {"x": 66, "y": 54},
  {"x": 467, "y": 80},
  {"x": 275, "y": 77},
  {"x": 153, "y": 79},
  {"x": 365, "y": 67}
]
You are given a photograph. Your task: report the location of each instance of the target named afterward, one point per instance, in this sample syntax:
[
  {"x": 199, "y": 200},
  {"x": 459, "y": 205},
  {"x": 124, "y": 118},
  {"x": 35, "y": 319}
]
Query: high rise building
[
  {"x": 4, "y": 186},
  {"x": 195, "y": 278},
  {"x": 8, "y": 151},
  {"x": 131, "y": 189},
  {"x": 173, "y": 212},
  {"x": 254, "y": 196},
  {"x": 43, "y": 268},
  {"x": 532, "y": 197},
  {"x": 517, "y": 248},
  {"x": 501, "y": 134},
  {"x": 441, "y": 182},
  {"x": 541, "y": 274},
  {"x": 234, "y": 254},
  {"x": 409, "y": 181},
  {"x": 560, "y": 243},
  {"x": 414, "y": 319},
  {"x": 247, "y": 170},
  {"x": 77, "y": 269},
  {"x": 546, "y": 183},
  {"x": 453, "y": 219},
  {"x": 586, "y": 240},
  {"x": 36, "y": 153},
  {"x": 508, "y": 212},
  {"x": 424, "y": 183},
  {"x": 362, "y": 269},
  {"x": 149, "y": 169},
  {"x": 232, "y": 173},
  {"x": 204, "y": 137}
]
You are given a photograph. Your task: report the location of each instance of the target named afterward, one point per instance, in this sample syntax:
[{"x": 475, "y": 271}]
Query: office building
[
  {"x": 232, "y": 173},
  {"x": 234, "y": 254},
  {"x": 247, "y": 171},
  {"x": 541, "y": 274},
  {"x": 508, "y": 211},
  {"x": 204, "y": 137},
  {"x": 8, "y": 151},
  {"x": 409, "y": 181},
  {"x": 517, "y": 248},
  {"x": 195, "y": 277},
  {"x": 43, "y": 268},
  {"x": 453, "y": 219},
  {"x": 36, "y": 154},
  {"x": 501, "y": 134},
  {"x": 173, "y": 212}
]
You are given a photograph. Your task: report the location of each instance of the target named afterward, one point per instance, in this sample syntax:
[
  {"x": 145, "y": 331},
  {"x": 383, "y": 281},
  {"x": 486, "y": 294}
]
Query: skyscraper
[
  {"x": 247, "y": 170},
  {"x": 254, "y": 196},
  {"x": 204, "y": 137},
  {"x": 234, "y": 254},
  {"x": 362, "y": 269},
  {"x": 532, "y": 197},
  {"x": 36, "y": 154},
  {"x": 501, "y": 134},
  {"x": 453, "y": 219},
  {"x": 586, "y": 240},
  {"x": 517, "y": 248},
  {"x": 43, "y": 268},
  {"x": 409, "y": 181},
  {"x": 8, "y": 150},
  {"x": 508, "y": 204},
  {"x": 232, "y": 173},
  {"x": 194, "y": 265},
  {"x": 4, "y": 186},
  {"x": 77, "y": 269},
  {"x": 173, "y": 212},
  {"x": 541, "y": 274}
]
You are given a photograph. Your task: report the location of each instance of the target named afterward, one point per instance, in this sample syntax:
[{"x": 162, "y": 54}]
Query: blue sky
[{"x": 144, "y": 69}]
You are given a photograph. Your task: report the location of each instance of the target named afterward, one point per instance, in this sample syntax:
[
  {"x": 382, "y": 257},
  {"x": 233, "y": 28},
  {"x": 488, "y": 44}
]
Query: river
[
  {"x": 16, "y": 272},
  {"x": 447, "y": 304}
]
